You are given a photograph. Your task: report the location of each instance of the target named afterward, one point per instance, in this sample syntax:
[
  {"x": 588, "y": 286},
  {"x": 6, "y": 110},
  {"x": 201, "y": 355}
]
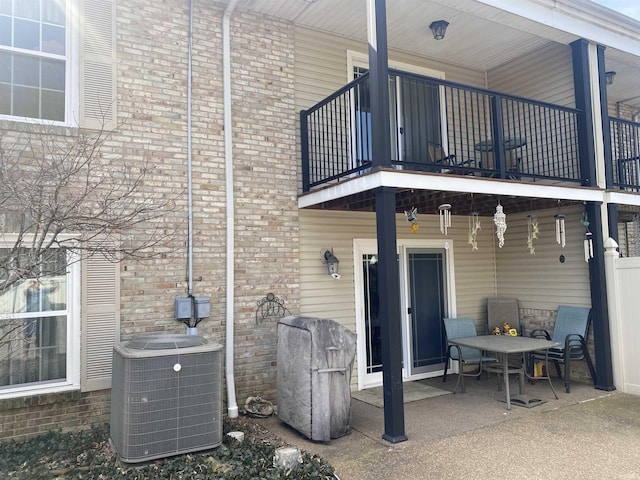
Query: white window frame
[
  {"x": 72, "y": 381},
  {"x": 72, "y": 72}
]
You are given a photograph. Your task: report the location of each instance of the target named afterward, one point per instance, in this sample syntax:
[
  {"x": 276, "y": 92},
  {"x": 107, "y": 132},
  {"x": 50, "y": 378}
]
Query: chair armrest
[
  {"x": 540, "y": 333},
  {"x": 573, "y": 340},
  {"x": 448, "y": 160}
]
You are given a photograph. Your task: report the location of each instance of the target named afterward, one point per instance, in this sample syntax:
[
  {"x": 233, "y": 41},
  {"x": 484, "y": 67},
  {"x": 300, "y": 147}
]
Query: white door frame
[{"x": 362, "y": 246}]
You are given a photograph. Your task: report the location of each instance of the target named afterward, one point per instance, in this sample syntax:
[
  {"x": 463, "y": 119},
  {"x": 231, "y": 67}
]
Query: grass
[{"x": 88, "y": 455}]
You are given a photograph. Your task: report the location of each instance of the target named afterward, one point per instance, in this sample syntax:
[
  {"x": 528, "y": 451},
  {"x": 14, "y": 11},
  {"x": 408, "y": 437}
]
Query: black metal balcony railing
[
  {"x": 440, "y": 126},
  {"x": 625, "y": 153}
]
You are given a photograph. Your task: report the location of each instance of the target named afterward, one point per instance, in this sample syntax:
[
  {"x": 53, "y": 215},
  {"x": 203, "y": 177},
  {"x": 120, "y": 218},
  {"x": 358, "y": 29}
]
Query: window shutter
[
  {"x": 100, "y": 321},
  {"x": 98, "y": 64}
]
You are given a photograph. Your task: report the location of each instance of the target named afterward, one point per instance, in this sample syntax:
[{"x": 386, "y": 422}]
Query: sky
[{"x": 628, "y": 7}]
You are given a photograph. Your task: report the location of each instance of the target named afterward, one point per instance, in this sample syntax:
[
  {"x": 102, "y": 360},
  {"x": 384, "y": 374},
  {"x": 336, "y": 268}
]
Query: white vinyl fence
[{"x": 623, "y": 286}]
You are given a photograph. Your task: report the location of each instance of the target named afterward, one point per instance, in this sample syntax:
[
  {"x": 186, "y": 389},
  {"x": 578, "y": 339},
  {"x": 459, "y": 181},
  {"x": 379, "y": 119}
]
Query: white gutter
[{"x": 232, "y": 406}]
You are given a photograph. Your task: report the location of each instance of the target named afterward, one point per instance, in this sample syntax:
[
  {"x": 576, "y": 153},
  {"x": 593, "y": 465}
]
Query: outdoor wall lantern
[
  {"x": 439, "y": 27},
  {"x": 332, "y": 264},
  {"x": 609, "y": 77}
]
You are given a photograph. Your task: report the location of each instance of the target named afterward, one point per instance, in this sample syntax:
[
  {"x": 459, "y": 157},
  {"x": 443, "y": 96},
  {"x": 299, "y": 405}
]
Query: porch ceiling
[
  {"x": 480, "y": 36},
  {"x": 427, "y": 202}
]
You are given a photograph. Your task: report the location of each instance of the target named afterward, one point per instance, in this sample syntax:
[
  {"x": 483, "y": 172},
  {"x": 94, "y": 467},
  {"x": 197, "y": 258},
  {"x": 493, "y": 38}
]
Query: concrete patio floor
[{"x": 587, "y": 434}]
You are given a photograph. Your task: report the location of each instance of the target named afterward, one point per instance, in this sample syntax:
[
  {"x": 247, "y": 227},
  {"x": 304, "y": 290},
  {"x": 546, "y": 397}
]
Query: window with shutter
[{"x": 39, "y": 321}]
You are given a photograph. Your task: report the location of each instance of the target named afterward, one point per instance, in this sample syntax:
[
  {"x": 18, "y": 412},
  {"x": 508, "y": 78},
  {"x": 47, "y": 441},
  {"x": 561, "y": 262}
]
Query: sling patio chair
[
  {"x": 570, "y": 330},
  {"x": 460, "y": 328}
]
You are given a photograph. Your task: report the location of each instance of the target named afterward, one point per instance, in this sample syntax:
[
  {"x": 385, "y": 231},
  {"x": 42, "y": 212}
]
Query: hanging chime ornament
[
  {"x": 500, "y": 220},
  {"x": 588, "y": 238},
  {"x": 445, "y": 217},
  {"x": 560, "y": 232},
  {"x": 412, "y": 216},
  {"x": 534, "y": 231},
  {"x": 474, "y": 226}
]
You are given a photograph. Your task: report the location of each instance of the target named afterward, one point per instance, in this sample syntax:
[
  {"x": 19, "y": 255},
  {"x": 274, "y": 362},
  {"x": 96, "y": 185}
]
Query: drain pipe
[
  {"x": 232, "y": 406},
  {"x": 189, "y": 161}
]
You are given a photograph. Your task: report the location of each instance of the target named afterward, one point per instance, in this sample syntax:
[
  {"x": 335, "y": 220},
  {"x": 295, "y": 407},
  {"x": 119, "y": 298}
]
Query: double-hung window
[
  {"x": 39, "y": 321},
  {"x": 35, "y": 60}
]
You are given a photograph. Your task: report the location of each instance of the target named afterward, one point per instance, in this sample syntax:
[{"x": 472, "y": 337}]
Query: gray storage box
[
  {"x": 166, "y": 396},
  {"x": 315, "y": 357}
]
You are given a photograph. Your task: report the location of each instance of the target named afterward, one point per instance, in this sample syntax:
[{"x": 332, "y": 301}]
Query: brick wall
[
  {"x": 152, "y": 102},
  {"x": 152, "y": 109},
  {"x": 22, "y": 418}
]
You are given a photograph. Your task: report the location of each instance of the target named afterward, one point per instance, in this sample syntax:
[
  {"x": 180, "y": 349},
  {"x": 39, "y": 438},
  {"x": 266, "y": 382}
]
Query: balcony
[
  {"x": 625, "y": 153},
  {"x": 441, "y": 127}
]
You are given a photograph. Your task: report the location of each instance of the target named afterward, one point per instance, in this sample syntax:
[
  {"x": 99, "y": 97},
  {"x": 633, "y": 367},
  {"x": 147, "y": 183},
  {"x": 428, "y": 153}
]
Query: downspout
[
  {"x": 232, "y": 406},
  {"x": 189, "y": 161}
]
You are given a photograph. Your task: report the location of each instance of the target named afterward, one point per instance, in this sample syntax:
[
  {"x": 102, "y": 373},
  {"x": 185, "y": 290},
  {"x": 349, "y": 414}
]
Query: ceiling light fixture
[
  {"x": 439, "y": 27},
  {"x": 609, "y": 77}
]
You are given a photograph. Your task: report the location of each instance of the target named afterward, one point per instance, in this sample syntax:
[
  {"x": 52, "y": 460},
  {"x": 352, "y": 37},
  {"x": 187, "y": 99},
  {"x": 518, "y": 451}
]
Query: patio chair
[
  {"x": 571, "y": 330},
  {"x": 438, "y": 156},
  {"x": 501, "y": 310},
  {"x": 460, "y": 328}
]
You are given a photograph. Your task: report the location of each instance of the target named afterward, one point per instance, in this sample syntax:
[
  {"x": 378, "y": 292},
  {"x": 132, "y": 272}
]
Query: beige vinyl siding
[
  {"x": 540, "y": 281},
  {"x": 321, "y": 230},
  {"x": 545, "y": 75},
  {"x": 335, "y": 299},
  {"x": 100, "y": 327},
  {"x": 98, "y": 107},
  {"x": 321, "y": 65}
]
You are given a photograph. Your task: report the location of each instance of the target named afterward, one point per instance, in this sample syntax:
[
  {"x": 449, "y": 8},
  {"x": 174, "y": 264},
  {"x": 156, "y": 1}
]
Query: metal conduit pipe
[
  {"x": 232, "y": 406},
  {"x": 189, "y": 160}
]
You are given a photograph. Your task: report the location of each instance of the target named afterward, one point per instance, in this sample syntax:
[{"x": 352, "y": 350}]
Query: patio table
[{"x": 504, "y": 345}]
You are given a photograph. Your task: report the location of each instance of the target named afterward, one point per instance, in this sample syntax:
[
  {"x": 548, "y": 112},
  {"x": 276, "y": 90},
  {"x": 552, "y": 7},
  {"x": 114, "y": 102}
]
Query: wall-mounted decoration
[
  {"x": 445, "y": 217},
  {"x": 533, "y": 232},
  {"x": 412, "y": 217},
  {"x": 270, "y": 307},
  {"x": 500, "y": 221}
]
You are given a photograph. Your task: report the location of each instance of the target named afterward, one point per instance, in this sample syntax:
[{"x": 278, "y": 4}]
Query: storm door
[{"x": 426, "y": 307}]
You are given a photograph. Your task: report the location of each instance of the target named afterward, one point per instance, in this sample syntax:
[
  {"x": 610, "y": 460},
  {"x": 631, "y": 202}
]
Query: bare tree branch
[{"x": 59, "y": 191}]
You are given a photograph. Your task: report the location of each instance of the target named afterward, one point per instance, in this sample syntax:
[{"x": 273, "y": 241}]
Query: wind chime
[
  {"x": 474, "y": 226},
  {"x": 500, "y": 221},
  {"x": 445, "y": 217},
  {"x": 412, "y": 216},
  {"x": 534, "y": 232},
  {"x": 588, "y": 237},
  {"x": 560, "y": 230}
]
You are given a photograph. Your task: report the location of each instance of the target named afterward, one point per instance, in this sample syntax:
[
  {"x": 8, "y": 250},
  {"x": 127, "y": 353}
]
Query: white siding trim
[{"x": 447, "y": 183}]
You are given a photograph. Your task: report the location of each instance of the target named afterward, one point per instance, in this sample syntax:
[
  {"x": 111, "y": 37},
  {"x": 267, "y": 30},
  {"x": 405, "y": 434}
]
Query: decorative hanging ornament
[
  {"x": 560, "y": 232},
  {"x": 588, "y": 238},
  {"x": 445, "y": 217},
  {"x": 474, "y": 226},
  {"x": 500, "y": 220},
  {"x": 412, "y": 216},
  {"x": 534, "y": 231}
]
